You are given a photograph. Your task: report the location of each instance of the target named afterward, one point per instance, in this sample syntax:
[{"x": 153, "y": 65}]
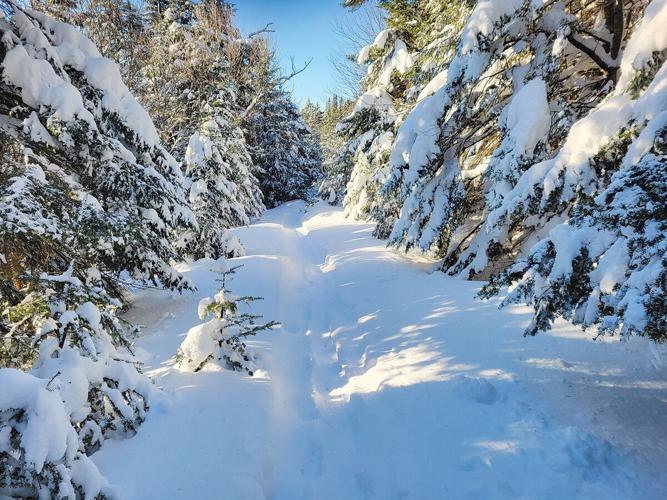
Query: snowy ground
[{"x": 386, "y": 382}]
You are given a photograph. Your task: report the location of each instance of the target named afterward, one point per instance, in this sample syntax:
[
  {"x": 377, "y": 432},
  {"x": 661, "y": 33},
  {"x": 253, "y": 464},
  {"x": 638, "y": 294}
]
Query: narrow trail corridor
[{"x": 385, "y": 381}]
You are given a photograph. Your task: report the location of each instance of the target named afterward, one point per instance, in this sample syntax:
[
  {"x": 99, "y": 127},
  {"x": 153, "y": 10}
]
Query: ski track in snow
[{"x": 386, "y": 381}]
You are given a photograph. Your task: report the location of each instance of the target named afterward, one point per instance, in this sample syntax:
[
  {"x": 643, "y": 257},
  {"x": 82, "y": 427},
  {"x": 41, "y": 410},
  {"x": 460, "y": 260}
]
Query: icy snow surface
[{"x": 386, "y": 381}]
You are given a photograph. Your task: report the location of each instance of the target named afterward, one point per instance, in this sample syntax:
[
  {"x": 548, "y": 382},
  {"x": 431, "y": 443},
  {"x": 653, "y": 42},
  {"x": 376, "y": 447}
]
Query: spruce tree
[
  {"x": 155, "y": 9},
  {"x": 336, "y": 160},
  {"x": 223, "y": 191},
  {"x": 90, "y": 202},
  {"x": 369, "y": 129},
  {"x": 285, "y": 153},
  {"x": 504, "y": 127},
  {"x": 222, "y": 338}
]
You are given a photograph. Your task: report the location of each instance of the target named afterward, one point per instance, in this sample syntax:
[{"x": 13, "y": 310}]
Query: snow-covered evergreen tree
[
  {"x": 155, "y": 9},
  {"x": 604, "y": 267},
  {"x": 500, "y": 127},
  {"x": 312, "y": 115},
  {"x": 369, "y": 129},
  {"x": 286, "y": 155},
  {"x": 222, "y": 338},
  {"x": 174, "y": 76},
  {"x": 223, "y": 191},
  {"x": 89, "y": 201},
  {"x": 66, "y": 331},
  {"x": 39, "y": 449},
  {"x": 92, "y": 137},
  {"x": 337, "y": 162}
]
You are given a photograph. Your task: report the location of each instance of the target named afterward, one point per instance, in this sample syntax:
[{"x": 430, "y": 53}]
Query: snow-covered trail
[{"x": 386, "y": 382}]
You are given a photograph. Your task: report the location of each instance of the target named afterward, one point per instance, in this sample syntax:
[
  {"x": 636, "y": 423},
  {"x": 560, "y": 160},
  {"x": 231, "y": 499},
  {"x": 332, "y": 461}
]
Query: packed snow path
[{"x": 386, "y": 381}]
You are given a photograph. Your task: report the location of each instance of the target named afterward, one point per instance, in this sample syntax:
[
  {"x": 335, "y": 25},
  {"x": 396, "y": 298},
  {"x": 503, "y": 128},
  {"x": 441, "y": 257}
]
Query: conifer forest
[{"x": 445, "y": 279}]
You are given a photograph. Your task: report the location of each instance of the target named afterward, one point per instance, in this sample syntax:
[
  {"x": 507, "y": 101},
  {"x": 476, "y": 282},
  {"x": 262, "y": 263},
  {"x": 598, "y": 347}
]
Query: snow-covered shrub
[
  {"x": 71, "y": 332},
  {"x": 221, "y": 339},
  {"x": 39, "y": 449}
]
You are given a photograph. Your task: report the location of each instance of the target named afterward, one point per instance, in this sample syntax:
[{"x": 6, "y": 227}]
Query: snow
[
  {"x": 649, "y": 37},
  {"x": 47, "y": 435},
  {"x": 41, "y": 86},
  {"x": 374, "y": 99},
  {"x": 436, "y": 83},
  {"x": 527, "y": 118},
  {"x": 417, "y": 138},
  {"x": 91, "y": 314},
  {"x": 385, "y": 381},
  {"x": 364, "y": 54},
  {"x": 483, "y": 19},
  {"x": 379, "y": 43},
  {"x": 75, "y": 50},
  {"x": 381, "y": 39},
  {"x": 399, "y": 61},
  {"x": 200, "y": 344}
]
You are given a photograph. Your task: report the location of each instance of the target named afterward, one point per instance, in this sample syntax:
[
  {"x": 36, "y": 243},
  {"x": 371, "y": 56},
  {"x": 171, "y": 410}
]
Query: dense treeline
[
  {"x": 130, "y": 139},
  {"x": 323, "y": 122},
  {"x": 522, "y": 141}
]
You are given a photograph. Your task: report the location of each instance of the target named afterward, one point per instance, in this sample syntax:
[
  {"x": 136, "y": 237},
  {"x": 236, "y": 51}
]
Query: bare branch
[
  {"x": 265, "y": 29},
  {"x": 294, "y": 71},
  {"x": 589, "y": 52}
]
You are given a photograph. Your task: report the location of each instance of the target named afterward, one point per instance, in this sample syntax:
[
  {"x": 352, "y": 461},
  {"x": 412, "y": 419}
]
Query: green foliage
[
  {"x": 404, "y": 16},
  {"x": 229, "y": 329},
  {"x": 286, "y": 154}
]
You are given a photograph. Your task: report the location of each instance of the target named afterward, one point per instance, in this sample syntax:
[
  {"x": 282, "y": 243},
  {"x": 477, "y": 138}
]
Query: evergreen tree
[
  {"x": 173, "y": 80},
  {"x": 604, "y": 267},
  {"x": 39, "y": 453},
  {"x": 223, "y": 191},
  {"x": 117, "y": 29},
  {"x": 369, "y": 129},
  {"x": 501, "y": 124},
  {"x": 223, "y": 337},
  {"x": 198, "y": 111},
  {"x": 285, "y": 153},
  {"x": 336, "y": 166},
  {"x": 313, "y": 116},
  {"x": 155, "y": 9},
  {"x": 89, "y": 201}
]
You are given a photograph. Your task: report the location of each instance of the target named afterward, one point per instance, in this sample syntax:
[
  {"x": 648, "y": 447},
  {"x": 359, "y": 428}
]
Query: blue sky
[{"x": 303, "y": 30}]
